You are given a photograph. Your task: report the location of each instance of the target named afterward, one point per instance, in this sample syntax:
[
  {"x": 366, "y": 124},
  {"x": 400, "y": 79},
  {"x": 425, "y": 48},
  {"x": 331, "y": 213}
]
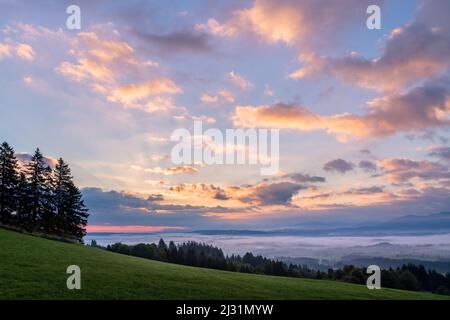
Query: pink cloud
[
  {"x": 412, "y": 53},
  {"x": 421, "y": 108},
  {"x": 289, "y": 21},
  {"x": 97, "y": 228}
]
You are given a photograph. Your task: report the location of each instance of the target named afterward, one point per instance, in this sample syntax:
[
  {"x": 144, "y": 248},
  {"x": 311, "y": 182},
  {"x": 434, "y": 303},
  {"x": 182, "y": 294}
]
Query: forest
[
  {"x": 40, "y": 197},
  {"x": 408, "y": 277}
]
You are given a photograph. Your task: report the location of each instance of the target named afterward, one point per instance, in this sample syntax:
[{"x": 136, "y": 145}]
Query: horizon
[
  {"x": 363, "y": 114},
  {"x": 227, "y": 157}
]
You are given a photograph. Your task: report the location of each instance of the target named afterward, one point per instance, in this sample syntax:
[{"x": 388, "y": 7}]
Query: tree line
[
  {"x": 37, "y": 198},
  {"x": 408, "y": 277}
]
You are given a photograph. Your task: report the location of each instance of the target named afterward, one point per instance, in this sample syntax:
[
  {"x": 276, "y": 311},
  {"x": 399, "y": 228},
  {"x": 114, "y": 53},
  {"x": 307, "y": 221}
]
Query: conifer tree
[
  {"x": 38, "y": 198},
  {"x": 23, "y": 207},
  {"x": 39, "y": 179},
  {"x": 70, "y": 212},
  {"x": 78, "y": 213},
  {"x": 8, "y": 183}
]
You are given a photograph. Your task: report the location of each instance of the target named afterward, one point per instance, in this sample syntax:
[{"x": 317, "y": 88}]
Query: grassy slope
[{"x": 34, "y": 268}]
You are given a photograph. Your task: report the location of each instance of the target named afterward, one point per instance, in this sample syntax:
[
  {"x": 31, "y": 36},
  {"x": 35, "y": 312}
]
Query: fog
[{"x": 429, "y": 247}]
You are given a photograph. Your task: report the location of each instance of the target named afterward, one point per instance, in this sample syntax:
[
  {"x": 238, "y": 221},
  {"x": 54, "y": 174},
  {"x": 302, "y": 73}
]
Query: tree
[
  {"x": 162, "y": 247},
  {"x": 77, "y": 213},
  {"x": 39, "y": 179},
  {"x": 37, "y": 198},
  {"x": 172, "y": 253},
  {"x": 408, "y": 281},
  {"x": 9, "y": 179},
  {"x": 23, "y": 207},
  {"x": 61, "y": 185}
]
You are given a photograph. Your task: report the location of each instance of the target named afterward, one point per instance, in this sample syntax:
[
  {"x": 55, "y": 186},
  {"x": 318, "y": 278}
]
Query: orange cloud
[
  {"x": 99, "y": 59},
  {"x": 130, "y": 93},
  {"x": 172, "y": 170},
  {"x": 25, "y": 51},
  {"x": 220, "y": 97},
  {"x": 107, "y": 50},
  {"x": 412, "y": 53},
  {"x": 21, "y": 50},
  {"x": 5, "y": 50},
  {"x": 421, "y": 108},
  {"x": 104, "y": 64},
  {"x": 298, "y": 118},
  {"x": 289, "y": 21},
  {"x": 239, "y": 81},
  {"x": 85, "y": 69}
]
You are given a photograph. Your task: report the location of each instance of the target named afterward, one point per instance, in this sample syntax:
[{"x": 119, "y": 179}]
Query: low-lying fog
[{"x": 424, "y": 247}]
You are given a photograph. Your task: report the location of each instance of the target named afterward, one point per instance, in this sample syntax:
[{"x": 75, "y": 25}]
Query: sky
[{"x": 363, "y": 114}]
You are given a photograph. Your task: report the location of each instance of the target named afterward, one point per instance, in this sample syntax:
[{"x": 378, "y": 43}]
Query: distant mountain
[{"x": 410, "y": 224}]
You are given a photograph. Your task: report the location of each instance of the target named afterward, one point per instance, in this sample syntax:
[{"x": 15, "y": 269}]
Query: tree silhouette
[
  {"x": 9, "y": 179},
  {"x": 38, "y": 198},
  {"x": 39, "y": 179}
]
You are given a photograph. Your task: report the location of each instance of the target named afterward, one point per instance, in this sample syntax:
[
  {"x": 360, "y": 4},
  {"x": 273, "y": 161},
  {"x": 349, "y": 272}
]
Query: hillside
[{"x": 34, "y": 268}]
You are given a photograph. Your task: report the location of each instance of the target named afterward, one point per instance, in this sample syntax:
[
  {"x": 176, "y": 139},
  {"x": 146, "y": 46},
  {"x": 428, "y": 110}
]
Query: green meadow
[{"x": 35, "y": 268}]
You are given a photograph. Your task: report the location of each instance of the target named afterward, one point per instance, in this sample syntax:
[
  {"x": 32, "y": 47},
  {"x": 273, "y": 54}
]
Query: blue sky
[{"x": 107, "y": 97}]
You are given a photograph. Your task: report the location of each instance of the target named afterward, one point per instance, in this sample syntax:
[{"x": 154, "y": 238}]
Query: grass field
[{"x": 35, "y": 268}]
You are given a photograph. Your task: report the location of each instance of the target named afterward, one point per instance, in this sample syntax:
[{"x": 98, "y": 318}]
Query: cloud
[
  {"x": 368, "y": 190},
  {"x": 412, "y": 53},
  {"x": 268, "y": 91},
  {"x": 114, "y": 208},
  {"x": 411, "y": 72},
  {"x": 209, "y": 99},
  {"x": 442, "y": 153},
  {"x": 178, "y": 41},
  {"x": 203, "y": 190},
  {"x": 107, "y": 50},
  {"x": 172, "y": 170},
  {"x": 304, "y": 178},
  {"x": 25, "y": 51},
  {"x": 338, "y": 165},
  {"x": 423, "y": 107},
  {"x": 367, "y": 166},
  {"x": 280, "y": 193},
  {"x": 24, "y": 158},
  {"x": 214, "y": 27},
  {"x": 289, "y": 21},
  {"x": 130, "y": 93},
  {"x": 5, "y": 50},
  {"x": 401, "y": 170},
  {"x": 202, "y": 118},
  {"x": 22, "y": 50},
  {"x": 240, "y": 81},
  {"x": 28, "y": 79},
  {"x": 221, "y": 195},
  {"x": 99, "y": 59},
  {"x": 284, "y": 116},
  {"x": 85, "y": 69},
  {"x": 245, "y": 197},
  {"x": 219, "y": 98},
  {"x": 132, "y": 228},
  {"x": 111, "y": 68}
]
